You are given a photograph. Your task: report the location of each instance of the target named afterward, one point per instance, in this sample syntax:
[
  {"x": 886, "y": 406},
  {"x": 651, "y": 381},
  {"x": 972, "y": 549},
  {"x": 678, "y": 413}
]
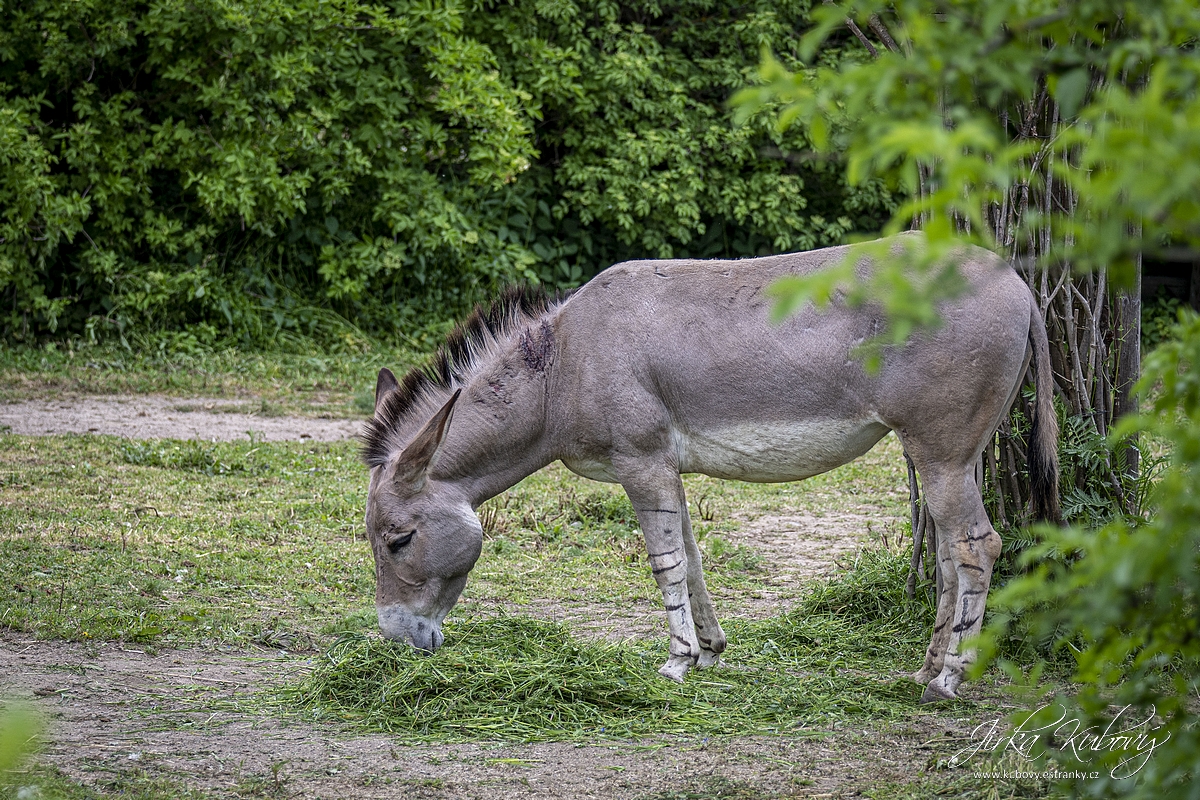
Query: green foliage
[
  {"x": 946, "y": 108},
  {"x": 192, "y": 151},
  {"x": 1124, "y": 598},
  {"x": 1159, "y": 318},
  {"x": 640, "y": 152},
  {"x": 246, "y": 172},
  {"x": 1083, "y": 454}
]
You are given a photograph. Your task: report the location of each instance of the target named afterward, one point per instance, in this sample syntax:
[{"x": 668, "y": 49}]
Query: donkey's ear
[
  {"x": 416, "y": 459},
  {"x": 385, "y": 383}
]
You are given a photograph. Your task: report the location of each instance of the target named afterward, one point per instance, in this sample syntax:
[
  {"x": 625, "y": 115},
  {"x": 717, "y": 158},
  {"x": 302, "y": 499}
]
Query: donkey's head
[{"x": 424, "y": 534}]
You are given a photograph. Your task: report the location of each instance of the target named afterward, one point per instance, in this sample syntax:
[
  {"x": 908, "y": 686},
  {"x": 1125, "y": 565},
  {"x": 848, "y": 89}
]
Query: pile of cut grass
[{"x": 516, "y": 678}]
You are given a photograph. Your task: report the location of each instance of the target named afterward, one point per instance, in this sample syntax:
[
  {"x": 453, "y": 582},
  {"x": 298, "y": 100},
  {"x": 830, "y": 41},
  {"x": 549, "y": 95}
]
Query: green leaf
[
  {"x": 818, "y": 132},
  {"x": 1070, "y": 89},
  {"x": 18, "y": 727}
]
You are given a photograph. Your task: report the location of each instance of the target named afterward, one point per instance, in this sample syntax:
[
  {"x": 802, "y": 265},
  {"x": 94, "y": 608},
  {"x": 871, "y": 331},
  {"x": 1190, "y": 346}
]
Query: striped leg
[
  {"x": 704, "y": 616},
  {"x": 935, "y": 654},
  {"x": 663, "y": 517},
  {"x": 973, "y": 547}
]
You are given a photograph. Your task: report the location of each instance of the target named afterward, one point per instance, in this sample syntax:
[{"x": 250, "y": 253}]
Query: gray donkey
[{"x": 657, "y": 368}]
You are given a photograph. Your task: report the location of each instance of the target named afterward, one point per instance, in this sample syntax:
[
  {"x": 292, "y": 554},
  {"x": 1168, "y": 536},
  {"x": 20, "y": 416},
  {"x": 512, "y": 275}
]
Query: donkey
[{"x": 657, "y": 368}]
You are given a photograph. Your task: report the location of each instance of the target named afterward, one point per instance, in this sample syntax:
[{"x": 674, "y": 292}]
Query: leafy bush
[
  {"x": 638, "y": 156},
  {"x": 193, "y": 162},
  {"x": 246, "y": 172},
  {"x": 1159, "y": 317}
]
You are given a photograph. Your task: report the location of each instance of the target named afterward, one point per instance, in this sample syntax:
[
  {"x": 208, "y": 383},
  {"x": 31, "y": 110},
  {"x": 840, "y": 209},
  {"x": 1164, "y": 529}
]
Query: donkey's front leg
[
  {"x": 708, "y": 630},
  {"x": 658, "y": 500}
]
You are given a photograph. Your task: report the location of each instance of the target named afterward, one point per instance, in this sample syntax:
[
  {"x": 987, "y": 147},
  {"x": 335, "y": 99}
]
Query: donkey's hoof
[
  {"x": 675, "y": 669},
  {"x": 708, "y": 659},
  {"x": 936, "y": 694}
]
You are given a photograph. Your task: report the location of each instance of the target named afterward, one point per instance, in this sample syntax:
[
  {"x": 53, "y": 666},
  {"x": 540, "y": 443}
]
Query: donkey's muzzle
[
  {"x": 430, "y": 644},
  {"x": 421, "y": 632}
]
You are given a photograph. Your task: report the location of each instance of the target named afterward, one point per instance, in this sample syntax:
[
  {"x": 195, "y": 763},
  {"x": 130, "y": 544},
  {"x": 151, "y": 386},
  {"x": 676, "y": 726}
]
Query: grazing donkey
[{"x": 656, "y": 368}]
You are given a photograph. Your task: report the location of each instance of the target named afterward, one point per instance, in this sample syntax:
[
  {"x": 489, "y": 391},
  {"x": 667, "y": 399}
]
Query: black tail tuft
[{"x": 1043, "y": 436}]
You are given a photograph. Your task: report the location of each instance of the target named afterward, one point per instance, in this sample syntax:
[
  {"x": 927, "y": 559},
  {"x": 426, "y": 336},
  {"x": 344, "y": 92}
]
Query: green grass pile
[{"x": 516, "y": 678}]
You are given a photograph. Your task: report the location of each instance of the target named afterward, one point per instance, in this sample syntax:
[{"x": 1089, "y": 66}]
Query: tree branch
[
  {"x": 882, "y": 32},
  {"x": 862, "y": 37}
]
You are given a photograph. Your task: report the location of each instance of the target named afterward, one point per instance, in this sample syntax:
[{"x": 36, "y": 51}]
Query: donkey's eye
[{"x": 398, "y": 540}]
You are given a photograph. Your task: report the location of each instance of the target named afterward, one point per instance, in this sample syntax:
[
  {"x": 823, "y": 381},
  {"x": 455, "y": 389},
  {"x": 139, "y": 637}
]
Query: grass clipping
[{"x": 516, "y": 678}]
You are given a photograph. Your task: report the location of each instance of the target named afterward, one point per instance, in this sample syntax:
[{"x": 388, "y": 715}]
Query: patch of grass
[
  {"x": 192, "y": 456},
  {"x": 737, "y": 557},
  {"x": 712, "y": 787},
  {"x": 516, "y": 678},
  {"x": 579, "y": 541},
  {"x": 991, "y": 778},
  {"x": 180, "y": 542},
  {"x": 174, "y": 543},
  {"x": 305, "y": 382},
  {"x": 171, "y": 543},
  {"x": 47, "y": 783}
]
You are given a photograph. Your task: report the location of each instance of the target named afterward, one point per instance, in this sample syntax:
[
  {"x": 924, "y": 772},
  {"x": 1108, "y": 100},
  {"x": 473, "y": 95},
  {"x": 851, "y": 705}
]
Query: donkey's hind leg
[
  {"x": 935, "y": 654},
  {"x": 704, "y": 616},
  {"x": 971, "y": 547}
]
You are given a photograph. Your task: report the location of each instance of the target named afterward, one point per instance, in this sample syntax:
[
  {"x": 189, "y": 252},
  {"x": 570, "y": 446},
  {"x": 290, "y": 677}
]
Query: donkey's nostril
[{"x": 438, "y": 638}]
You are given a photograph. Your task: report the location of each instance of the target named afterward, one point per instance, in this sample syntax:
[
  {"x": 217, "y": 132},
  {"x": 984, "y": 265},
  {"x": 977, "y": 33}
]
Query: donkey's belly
[{"x": 776, "y": 451}]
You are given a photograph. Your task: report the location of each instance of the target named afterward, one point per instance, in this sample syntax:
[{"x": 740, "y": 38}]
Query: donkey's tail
[{"x": 1043, "y": 438}]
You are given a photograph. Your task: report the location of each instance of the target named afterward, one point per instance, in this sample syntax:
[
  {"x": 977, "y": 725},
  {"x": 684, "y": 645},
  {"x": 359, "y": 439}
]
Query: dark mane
[{"x": 455, "y": 359}]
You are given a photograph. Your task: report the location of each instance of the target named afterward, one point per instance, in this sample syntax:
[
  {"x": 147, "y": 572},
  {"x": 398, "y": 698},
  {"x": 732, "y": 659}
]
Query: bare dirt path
[
  {"x": 174, "y": 715},
  {"x": 159, "y": 417}
]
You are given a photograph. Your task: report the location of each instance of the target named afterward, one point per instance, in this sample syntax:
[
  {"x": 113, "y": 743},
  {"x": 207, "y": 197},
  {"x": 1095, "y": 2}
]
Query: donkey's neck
[{"x": 498, "y": 434}]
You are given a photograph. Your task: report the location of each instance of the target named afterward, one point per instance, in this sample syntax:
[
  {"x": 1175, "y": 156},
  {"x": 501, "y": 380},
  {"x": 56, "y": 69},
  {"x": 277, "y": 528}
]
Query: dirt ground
[
  {"x": 157, "y": 417},
  {"x": 114, "y": 709}
]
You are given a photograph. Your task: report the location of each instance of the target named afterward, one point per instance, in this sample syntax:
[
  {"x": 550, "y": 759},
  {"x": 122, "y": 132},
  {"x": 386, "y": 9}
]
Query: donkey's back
[{"x": 680, "y": 358}]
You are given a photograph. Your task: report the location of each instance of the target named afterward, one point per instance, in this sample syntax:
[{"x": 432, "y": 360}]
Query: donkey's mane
[{"x": 471, "y": 340}]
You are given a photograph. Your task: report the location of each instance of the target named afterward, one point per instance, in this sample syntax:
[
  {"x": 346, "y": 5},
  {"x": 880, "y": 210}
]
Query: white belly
[
  {"x": 773, "y": 452},
  {"x": 776, "y": 451},
  {"x": 589, "y": 468}
]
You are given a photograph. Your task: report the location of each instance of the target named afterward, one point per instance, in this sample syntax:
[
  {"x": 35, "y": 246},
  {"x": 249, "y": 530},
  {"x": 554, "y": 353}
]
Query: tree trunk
[{"x": 1129, "y": 367}]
